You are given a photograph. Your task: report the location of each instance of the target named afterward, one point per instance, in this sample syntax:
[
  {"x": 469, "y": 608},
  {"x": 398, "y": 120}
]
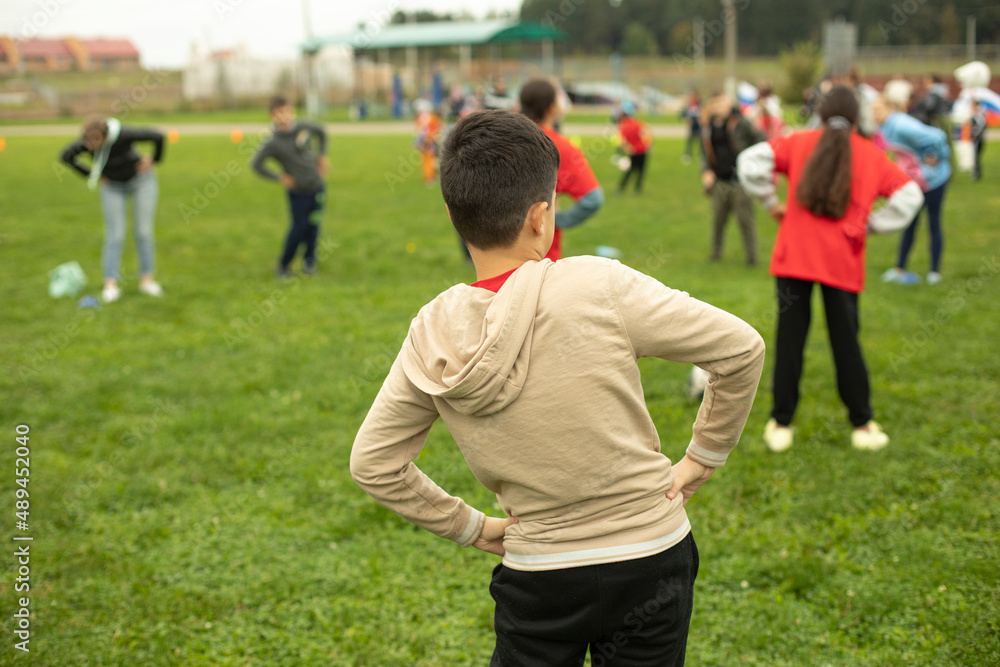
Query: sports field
[{"x": 190, "y": 500}]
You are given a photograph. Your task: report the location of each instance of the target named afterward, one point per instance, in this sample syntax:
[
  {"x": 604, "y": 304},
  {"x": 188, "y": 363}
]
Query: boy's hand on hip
[
  {"x": 287, "y": 181},
  {"x": 491, "y": 539},
  {"x": 707, "y": 180},
  {"x": 144, "y": 164},
  {"x": 777, "y": 211},
  {"x": 689, "y": 475}
]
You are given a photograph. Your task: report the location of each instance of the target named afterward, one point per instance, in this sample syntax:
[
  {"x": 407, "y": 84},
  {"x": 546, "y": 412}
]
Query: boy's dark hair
[
  {"x": 277, "y": 102},
  {"x": 825, "y": 188},
  {"x": 95, "y": 128},
  {"x": 537, "y": 97},
  {"x": 495, "y": 165}
]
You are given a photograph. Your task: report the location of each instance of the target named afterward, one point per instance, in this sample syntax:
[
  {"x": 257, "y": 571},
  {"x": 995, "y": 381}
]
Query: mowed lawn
[{"x": 190, "y": 499}]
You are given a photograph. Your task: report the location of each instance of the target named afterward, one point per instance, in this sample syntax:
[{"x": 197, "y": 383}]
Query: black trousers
[
  {"x": 794, "y": 314},
  {"x": 637, "y": 166},
  {"x": 306, "y": 211},
  {"x": 977, "y": 169},
  {"x": 636, "y": 612}
]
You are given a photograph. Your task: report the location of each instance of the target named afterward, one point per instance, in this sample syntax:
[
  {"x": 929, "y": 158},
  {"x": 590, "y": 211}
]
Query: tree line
[{"x": 765, "y": 27}]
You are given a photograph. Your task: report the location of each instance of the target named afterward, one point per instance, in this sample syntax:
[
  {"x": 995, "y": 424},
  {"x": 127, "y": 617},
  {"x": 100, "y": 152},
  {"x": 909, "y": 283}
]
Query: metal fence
[{"x": 945, "y": 53}]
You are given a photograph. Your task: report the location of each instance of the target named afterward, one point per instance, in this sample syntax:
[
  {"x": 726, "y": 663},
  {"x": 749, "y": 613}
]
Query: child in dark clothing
[{"x": 303, "y": 172}]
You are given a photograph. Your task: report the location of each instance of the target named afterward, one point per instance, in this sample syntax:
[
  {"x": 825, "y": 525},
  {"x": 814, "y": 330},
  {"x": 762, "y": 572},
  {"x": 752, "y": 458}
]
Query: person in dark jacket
[
  {"x": 725, "y": 134},
  {"x": 935, "y": 104},
  {"x": 304, "y": 168},
  {"x": 120, "y": 172},
  {"x": 977, "y": 135}
]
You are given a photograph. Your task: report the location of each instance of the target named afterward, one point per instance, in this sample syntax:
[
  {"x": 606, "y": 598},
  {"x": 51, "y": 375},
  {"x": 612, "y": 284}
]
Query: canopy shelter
[
  {"x": 376, "y": 40},
  {"x": 439, "y": 33}
]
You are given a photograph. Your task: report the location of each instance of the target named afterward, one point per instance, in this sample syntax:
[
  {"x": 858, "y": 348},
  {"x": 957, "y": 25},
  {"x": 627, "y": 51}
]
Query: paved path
[
  {"x": 353, "y": 129},
  {"x": 356, "y": 129}
]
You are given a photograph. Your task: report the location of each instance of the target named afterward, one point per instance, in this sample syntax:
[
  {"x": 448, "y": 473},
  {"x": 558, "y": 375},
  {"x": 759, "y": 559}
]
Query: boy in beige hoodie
[{"x": 533, "y": 370}]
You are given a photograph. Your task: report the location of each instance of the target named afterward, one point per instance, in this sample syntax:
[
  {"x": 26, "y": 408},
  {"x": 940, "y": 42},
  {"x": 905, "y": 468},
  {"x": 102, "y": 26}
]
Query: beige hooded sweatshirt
[{"x": 540, "y": 389}]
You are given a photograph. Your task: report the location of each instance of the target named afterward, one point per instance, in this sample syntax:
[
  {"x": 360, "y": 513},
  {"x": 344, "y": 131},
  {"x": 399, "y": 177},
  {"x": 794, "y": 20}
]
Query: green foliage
[
  {"x": 638, "y": 41},
  {"x": 190, "y": 496},
  {"x": 767, "y": 27},
  {"x": 802, "y": 67}
]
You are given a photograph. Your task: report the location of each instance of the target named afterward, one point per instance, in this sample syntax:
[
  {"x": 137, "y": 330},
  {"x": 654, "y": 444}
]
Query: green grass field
[{"x": 190, "y": 499}]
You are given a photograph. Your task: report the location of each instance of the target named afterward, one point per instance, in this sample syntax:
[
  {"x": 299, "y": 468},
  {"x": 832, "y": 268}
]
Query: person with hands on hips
[
  {"x": 834, "y": 178},
  {"x": 534, "y": 370},
  {"x": 725, "y": 134},
  {"x": 118, "y": 171},
  {"x": 299, "y": 147}
]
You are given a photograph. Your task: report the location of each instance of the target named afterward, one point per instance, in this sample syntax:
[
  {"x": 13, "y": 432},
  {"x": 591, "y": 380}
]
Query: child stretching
[
  {"x": 637, "y": 141},
  {"x": 304, "y": 170},
  {"x": 533, "y": 370},
  {"x": 576, "y": 178},
  {"x": 834, "y": 178}
]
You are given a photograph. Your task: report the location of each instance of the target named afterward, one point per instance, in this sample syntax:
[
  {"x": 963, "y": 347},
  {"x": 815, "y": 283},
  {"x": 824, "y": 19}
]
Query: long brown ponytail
[{"x": 825, "y": 188}]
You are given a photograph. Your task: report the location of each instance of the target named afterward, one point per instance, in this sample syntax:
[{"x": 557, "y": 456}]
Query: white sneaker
[
  {"x": 869, "y": 437},
  {"x": 933, "y": 278},
  {"x": 151, "y": 287},
  {"x": 778, "y": 437},
  {"x": 892, "y": 275},
  {"x": 111, "y": 293}
]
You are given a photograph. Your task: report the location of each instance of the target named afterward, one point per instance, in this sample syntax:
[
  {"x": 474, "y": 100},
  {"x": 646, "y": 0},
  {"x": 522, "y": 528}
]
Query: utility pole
[
  {"x": 312, "y": 95},
  {"x": 698, "y": 38},
  {"x": 729, "y": 18},
  {"x": 970, "y": 37},
  {"x": 413, "y": 59}
]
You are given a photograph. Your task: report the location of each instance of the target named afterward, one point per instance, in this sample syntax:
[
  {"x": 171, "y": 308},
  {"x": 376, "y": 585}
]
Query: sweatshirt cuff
[
  {"x": 706, "y": 457},
  {"x": 770, "y": 201},
  {"x": 477, "y": 520}
]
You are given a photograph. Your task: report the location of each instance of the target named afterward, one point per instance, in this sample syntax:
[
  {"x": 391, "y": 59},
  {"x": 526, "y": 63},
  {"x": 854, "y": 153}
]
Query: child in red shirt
[
  {"x": 576, "y": 178},
  {"x": 834, "y": 178},
  {"x": 636, "y": 141}
]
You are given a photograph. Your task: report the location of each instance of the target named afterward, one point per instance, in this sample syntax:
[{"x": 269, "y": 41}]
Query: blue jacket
[{"x": 913, "y": 142}]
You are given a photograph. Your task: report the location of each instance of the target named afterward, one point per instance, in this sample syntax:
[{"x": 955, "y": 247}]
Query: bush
[
  {"x": 802, "y": 66},
  {"x": 638, "y": 41}
]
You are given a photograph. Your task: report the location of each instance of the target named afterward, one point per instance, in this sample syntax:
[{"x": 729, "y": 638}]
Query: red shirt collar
[{"x": 495, "y": 283}]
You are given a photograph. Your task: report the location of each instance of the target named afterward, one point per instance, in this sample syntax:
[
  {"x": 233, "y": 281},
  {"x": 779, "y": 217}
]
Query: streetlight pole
[
  {"x": 729, "y": 18},
  {"x": 970, "y": 37},
  {"x": 312, "y": 95}
]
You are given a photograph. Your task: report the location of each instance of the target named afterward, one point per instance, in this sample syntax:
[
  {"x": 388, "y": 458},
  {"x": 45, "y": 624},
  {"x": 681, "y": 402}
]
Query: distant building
[
  {"x": 236, "y": 73},
  {"x": 45, "y": 55},
  {"x": 106, "y": 54},
  {"x": 66, "y": 54},
  {"x": 8, "y": 55}
]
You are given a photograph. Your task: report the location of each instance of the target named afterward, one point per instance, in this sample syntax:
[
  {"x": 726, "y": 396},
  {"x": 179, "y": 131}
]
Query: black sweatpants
[
  {"x": 794, "y": 314},
  {"x": 631, "y": 613},
  {"x": 306, "y": 211},
  {"x": 638, "y": 166}
]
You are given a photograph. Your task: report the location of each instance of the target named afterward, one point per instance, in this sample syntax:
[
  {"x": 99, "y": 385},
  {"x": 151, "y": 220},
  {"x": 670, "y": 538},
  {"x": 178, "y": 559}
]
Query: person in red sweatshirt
[
  {"x": 539, "y": 103},
  {"x": 534, "y": 371},
  {"x": 636, "y": 141},
  {"x": 834, "y": 177}
]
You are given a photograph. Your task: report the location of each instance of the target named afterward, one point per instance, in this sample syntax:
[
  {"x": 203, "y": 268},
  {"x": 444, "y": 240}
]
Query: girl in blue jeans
[
  {"x": 923, "y": 153},
  {"x": 120, "y": 172}
]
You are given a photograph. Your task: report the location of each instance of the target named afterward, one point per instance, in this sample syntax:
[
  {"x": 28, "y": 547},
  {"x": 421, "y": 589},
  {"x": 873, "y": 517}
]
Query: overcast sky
[{"x": 163, "y": 30}]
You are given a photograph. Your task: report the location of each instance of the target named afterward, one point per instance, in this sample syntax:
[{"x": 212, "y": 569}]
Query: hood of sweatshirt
[{"x": 471, "y": 347}]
